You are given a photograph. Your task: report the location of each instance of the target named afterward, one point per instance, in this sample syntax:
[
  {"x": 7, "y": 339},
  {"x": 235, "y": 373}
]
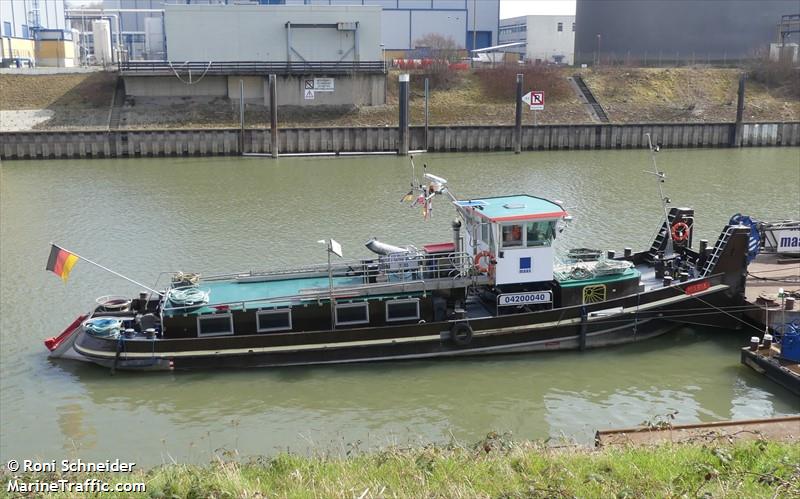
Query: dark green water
[{"x": 141, "y": 217}]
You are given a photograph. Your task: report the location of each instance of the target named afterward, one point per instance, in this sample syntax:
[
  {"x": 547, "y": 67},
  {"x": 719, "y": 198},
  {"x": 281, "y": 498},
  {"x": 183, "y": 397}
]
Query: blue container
[{"x": 790, "y": 343}]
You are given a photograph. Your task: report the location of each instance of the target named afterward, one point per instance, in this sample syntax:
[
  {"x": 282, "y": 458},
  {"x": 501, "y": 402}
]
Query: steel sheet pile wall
[{"x": 217, "y": 142}]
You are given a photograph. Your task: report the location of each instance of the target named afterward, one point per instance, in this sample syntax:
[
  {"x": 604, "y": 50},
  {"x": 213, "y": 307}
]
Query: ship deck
[{"x": 250, "y": 294}]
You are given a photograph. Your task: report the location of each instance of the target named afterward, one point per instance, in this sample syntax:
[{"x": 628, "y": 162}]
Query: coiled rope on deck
[
  {"x": 187, "y": 296},
  {"x": 104, "y": 327}
]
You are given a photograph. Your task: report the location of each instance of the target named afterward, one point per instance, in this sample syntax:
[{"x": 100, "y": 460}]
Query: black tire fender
[{"x": 461, "y": 333}]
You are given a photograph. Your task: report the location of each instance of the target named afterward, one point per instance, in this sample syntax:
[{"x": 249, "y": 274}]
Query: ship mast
[{"x": 661, "y": 177}]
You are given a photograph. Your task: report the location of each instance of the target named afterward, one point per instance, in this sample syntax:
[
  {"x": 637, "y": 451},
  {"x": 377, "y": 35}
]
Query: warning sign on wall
[
  {"x": 309, "y": 95},
  {"x": 323, "y": 84}
]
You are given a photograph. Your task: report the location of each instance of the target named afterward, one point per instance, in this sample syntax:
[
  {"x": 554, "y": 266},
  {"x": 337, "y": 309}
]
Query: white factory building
[
  {"x": 321, "y": 54},
  {"x": 136, "y": 25},
  {"x": 546, "y": 39},
  {"x": 280, "y": 33}
]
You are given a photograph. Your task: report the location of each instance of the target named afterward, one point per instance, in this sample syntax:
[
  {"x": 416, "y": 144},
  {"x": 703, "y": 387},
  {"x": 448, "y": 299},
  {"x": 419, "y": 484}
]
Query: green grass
[{"x": 495, "y": 467}]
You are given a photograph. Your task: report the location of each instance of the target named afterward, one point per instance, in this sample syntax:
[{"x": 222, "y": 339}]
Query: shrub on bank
[
  {"x": 500, "y": 83},
  {"x": 780, "y": 75}
]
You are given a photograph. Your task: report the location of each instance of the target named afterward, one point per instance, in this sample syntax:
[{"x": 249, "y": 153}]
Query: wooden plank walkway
[
  {"x": 765, "y": 276},
  {"x": 783, "y": 428}
]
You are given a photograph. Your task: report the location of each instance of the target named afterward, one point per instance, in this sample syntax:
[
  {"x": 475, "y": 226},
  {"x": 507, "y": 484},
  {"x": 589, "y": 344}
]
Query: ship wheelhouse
[{"x": 516, "y": 233}]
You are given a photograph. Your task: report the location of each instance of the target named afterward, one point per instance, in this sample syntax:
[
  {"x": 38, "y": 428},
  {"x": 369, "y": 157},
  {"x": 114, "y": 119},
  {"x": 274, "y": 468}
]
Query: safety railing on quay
[{"x": 251, "y": 67}]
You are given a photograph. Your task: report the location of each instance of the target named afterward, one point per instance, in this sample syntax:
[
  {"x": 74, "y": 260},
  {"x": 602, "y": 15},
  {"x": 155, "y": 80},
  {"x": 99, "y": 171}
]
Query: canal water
[{"x": 144, "y": 216}]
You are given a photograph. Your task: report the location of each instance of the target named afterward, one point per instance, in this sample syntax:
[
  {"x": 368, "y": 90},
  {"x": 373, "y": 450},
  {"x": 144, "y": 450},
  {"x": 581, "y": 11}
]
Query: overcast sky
[{"x": 514, "y": 8}]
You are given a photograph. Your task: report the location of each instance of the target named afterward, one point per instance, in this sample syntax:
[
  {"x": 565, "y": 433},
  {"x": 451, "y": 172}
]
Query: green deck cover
[
  {"x": 230, "y": 292},
  {"x": 630, "y": 273}
]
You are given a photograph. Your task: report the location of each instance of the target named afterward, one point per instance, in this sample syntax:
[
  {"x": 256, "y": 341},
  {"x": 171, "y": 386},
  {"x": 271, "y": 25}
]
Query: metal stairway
[
  {"x": 661, "y": 239},
  {"x": 115, "y": 114},
  {"x": 716, "y": 253},
  {"x": 598, "y": 110}
]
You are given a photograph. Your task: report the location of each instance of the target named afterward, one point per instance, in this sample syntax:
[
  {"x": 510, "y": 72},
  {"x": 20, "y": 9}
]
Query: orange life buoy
[
  {"x": 680, "y": 232},
  {"x": 485, "y": 269}
]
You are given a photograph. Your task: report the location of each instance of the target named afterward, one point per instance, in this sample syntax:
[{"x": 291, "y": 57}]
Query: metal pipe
[
  {"x": 69, "y": 11},
  {"x": 736, "y": 139},
  {"x": 241, "y": 117},
  {"x": 518, "y": 117},
  {"x": 273, "y": 115},
  {"x": 426, "y": 113},
  {"x": 403, "y": 118}
]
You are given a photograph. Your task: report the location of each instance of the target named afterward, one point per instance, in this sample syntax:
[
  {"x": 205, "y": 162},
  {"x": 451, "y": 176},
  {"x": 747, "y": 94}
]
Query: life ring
[
  {"x": 485, "y": 269},
  {"x": 461, "y": 334},
  {"x": 680, "y": 232}
]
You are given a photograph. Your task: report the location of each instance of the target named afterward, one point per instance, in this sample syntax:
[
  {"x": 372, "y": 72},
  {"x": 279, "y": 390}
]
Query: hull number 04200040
[{"x": 524, "y": 298}]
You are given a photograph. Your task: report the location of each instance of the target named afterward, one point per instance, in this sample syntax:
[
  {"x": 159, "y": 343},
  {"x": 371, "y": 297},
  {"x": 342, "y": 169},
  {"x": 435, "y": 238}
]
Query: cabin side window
[
  {"x": 215, "y": 325},
  {"x": 402, "y": 310},
  {"x": 274, "y": 320},
  {"x": 352, "y": 313},
  {"x": 539, "y": 233},
  {"x": 512, "y": 236}
]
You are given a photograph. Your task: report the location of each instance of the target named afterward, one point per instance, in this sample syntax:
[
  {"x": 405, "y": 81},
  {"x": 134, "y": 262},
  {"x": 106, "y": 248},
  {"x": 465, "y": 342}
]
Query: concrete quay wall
[{"x": 222, "y": 142}]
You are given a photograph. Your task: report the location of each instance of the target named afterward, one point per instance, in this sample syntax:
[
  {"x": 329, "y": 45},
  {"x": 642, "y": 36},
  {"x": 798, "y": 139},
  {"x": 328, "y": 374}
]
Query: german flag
[{"x": 61, "y": 262}]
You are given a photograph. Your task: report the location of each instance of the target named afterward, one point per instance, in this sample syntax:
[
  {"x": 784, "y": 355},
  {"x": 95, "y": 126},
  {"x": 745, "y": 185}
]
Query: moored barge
[{"x": 496, "y": 286}]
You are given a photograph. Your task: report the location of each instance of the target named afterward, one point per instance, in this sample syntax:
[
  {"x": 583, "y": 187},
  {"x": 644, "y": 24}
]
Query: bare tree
[
  {"x": 437, "y": 47},
  {"x": 440, "y": 51}
]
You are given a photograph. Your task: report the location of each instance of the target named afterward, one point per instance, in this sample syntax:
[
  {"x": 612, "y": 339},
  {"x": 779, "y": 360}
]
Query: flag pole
[{"x": 113, "y": 272}]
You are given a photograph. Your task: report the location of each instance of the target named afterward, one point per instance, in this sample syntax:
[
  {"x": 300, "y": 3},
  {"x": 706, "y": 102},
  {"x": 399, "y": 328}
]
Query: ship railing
[
  {"x": 389, "y": 275},
  {"x": 392, "y": 267},
  {"x": 339, "y": 293}
]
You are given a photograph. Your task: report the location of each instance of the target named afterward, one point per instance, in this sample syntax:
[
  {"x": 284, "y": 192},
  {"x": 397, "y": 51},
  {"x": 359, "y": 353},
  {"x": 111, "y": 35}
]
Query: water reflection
[
  {"x": 567, "y": 395},
  {"x": 230, "y": 214}
]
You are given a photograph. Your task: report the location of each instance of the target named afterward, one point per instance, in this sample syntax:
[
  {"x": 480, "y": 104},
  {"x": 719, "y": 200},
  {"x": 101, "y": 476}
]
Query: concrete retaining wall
[
  {"x": 217, "y": 142},
  {"x": 362, "y": 89}
]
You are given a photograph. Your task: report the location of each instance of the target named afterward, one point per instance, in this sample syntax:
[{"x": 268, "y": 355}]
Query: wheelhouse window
[
  {"x": 486, "y": 234},
  {"x": 352, "y": 313},
  {"x": 512, "y": 236},
  {"x": 539, "y": 233},
  {"x": 215, "y": 325},
  {"x": 402, "y": 310},
  {"x": 274, "y": 320}
]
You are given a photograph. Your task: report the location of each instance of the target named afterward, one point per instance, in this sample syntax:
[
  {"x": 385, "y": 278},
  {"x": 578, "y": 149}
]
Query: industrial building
[
  {"x": 322, "y": 55},
  {"x": 137, "y": 33},
  {"x": 676, "y": 31},
  {"x": 136, "y": 28},
  {"x": 35, "y": 33},
  {"x": 542, "y": 39}
]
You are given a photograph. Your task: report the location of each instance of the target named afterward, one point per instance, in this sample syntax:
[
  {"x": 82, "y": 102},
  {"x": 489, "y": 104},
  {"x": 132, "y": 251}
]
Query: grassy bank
[
  {"x": 495, "y": 467},
  {"x": 484, "y": 96}
]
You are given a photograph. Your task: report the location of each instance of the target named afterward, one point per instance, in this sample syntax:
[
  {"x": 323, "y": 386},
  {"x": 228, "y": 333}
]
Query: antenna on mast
[{"x": 661, "y": 177}]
